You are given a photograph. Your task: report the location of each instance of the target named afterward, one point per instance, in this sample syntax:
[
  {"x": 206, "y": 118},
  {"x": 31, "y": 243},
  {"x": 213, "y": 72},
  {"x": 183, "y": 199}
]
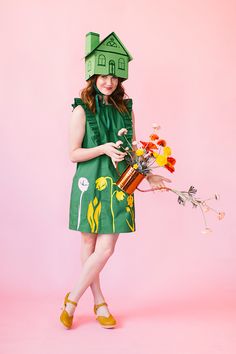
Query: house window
[
  {"x": 112, "y": 67},
  {"x": 121, "y": 64},
  {"x": 101, "y": 60}
]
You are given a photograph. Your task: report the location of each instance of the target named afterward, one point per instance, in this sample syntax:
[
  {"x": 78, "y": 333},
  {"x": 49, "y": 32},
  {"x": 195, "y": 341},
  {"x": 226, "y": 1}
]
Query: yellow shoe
[
  {"x": 106, "y": 322},
  {"x": 65, "y": 318}
]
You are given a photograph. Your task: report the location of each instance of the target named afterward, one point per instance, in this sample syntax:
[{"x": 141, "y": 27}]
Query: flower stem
[
  {"x": 128, "y": 142},
  {"x": 127, "y": 152},
  {"x": 204, "y": 218},
  {"x": 112, "y": 213}
]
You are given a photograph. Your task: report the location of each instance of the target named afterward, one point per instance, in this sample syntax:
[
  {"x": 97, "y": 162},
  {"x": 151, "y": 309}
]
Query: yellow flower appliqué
[
  {"x": 130, "y": 201},
  {"x": 120, "y": 195},
  {"x": 93, "y": 213},
  {"x": 101, "y": 183},
  {"x": 130, "y": 211}
]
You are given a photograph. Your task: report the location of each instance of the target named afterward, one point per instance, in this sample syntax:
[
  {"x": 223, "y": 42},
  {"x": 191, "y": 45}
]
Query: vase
[{"x": 129, "y": 180}]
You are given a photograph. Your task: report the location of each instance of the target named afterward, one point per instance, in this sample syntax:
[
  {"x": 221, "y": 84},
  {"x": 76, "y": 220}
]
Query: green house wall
[{"x": 107, "y": 63}]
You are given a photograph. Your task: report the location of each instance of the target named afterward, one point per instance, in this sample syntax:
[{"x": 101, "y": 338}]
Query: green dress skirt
[{"x": 97, "y": 205}]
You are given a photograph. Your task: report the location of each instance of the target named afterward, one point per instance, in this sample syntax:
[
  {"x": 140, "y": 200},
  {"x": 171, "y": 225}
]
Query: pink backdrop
[{"x": 182, "y": 77}]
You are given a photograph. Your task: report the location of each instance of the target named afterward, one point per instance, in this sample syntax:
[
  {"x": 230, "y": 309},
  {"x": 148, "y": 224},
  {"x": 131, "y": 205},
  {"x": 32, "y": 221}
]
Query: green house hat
[{"x": 108, "y": 57}]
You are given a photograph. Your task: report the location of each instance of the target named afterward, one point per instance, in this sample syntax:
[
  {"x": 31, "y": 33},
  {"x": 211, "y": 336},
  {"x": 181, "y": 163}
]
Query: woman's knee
[
  {"x": 108, "y": 251},
  {"x": 106, "y": 245},
  {"x": 89, "y": 240}
]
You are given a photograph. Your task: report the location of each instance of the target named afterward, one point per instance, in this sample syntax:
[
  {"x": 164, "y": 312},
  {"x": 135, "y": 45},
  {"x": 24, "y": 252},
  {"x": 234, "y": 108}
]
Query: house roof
[{"x": 117, "y": 38}]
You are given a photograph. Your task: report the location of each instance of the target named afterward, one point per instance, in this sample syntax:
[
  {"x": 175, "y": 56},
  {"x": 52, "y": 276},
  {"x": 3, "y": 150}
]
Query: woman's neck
[{"x": 106, "y": 98}]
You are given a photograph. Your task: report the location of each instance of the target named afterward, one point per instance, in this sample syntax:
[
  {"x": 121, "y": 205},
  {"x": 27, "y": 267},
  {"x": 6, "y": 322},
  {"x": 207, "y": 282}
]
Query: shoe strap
[
  {"x": 99, "y": 305},
  {"x": 70, "y": 301}
]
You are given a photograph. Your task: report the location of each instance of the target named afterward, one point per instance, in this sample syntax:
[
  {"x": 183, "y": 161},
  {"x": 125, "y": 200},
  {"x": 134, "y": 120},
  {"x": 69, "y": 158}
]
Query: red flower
[
  {"x": 154, "y": 137},
  {"x": 148, "y": 145},
  {"x": 161, "y": 142},
  {"x": 169, "y": 167},
  {"x": 171, "y": 160}
]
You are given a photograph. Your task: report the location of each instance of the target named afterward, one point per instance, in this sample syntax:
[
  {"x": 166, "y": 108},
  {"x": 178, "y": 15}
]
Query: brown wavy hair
[{"x": 116, "y": 98}]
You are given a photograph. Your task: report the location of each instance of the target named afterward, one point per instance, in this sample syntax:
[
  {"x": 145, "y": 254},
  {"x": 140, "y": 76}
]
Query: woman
[{"x": 98, "y": 208}]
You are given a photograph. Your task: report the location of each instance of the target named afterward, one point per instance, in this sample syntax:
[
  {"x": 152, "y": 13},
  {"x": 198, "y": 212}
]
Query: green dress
[{"x": 97, "y": 204}]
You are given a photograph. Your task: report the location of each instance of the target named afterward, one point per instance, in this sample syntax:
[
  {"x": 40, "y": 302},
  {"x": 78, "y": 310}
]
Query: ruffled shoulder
[
  {"x": 129, "y": 104},
  {"x": 90, "y": 118},
  {"x": 128, "y": 119},
  {"x": 77, "y": 102}
]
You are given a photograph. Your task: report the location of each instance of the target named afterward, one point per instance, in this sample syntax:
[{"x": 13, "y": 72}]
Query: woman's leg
[
  {"x": 88, "y": 243},
  {"x": 105, "y": 246}
]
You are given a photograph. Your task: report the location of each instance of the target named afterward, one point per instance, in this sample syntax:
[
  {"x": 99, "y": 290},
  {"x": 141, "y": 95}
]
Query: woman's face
[{"x": 107, "y": 84}]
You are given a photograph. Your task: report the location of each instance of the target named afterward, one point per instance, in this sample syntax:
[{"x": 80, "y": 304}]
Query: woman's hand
[
  {"x": 110, "y": 149},
  {"x": 157, "y": 180}
]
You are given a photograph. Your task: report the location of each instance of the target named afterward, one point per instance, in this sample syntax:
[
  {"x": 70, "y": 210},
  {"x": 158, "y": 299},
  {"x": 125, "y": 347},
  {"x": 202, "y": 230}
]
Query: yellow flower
[
  {"x": 155, "y": 154},
  {"x": 130, "y": 200},
  {"x": 167, "y": 150},
  {"x": 139, "y": 152},
  {"x": 135, "y": 166},
  {"x": 127, "y": 209},
  {"x": 120, "y": 195},
  {"x": 161, "y": 160},
  {"x": 101, "y": 183}
]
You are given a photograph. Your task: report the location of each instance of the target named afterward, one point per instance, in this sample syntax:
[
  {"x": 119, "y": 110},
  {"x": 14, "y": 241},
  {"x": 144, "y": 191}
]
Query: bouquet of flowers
[{"x": 144, "y": 156}]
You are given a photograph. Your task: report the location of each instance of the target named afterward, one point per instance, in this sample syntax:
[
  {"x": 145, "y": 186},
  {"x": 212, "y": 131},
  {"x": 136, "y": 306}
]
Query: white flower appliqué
[{"x": 83, "y": 185}]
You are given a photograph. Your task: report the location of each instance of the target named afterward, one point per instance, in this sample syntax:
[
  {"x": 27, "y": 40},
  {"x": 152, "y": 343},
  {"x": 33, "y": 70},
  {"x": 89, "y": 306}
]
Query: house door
[{"x": 111, "y": 67}]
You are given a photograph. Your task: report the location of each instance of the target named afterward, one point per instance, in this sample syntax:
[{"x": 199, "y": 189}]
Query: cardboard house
[{"x": 108, "y": 57}]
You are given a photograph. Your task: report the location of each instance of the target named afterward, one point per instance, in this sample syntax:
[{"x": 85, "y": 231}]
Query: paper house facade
[{"x": 108, "y": 57}]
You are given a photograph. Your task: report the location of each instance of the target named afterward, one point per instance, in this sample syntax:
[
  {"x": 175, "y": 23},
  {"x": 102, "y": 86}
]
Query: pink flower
[
  {"x": 118, "y": 143},
  {"x": 122, "y": 131},
  {"x": 155, "y": 126},
  {"x": 221, "y": 215}
]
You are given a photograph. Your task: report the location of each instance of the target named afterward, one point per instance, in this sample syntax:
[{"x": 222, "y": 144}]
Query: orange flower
[
  {"x": 148, "y": 145},
  {"x": 171, "y": 160},
  {"x": 154, "y": 137},
  {"x": 169, "y": 167},
  {"x": 161, "y": 142}
]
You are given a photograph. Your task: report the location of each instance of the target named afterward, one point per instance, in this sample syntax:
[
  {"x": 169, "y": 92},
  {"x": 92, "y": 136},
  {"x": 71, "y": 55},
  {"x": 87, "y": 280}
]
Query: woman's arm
[
  {"x": 76, "y": 135},
  {"x": 133, "y": 122}
]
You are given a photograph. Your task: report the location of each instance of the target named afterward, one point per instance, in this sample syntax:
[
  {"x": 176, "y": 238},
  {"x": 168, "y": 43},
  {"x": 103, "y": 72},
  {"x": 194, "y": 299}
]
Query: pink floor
[{"x": 150, "y": 326}]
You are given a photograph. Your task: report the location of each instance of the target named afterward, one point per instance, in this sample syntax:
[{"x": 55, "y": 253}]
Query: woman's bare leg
[
  {"x": 104, "y": 248},
  {"x": 88, "y": 243}
]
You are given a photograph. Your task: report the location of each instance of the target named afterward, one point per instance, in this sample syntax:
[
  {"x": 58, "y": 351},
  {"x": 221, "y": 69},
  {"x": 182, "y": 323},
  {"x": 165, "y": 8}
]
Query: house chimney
[{"x": 92, "y": 40}]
